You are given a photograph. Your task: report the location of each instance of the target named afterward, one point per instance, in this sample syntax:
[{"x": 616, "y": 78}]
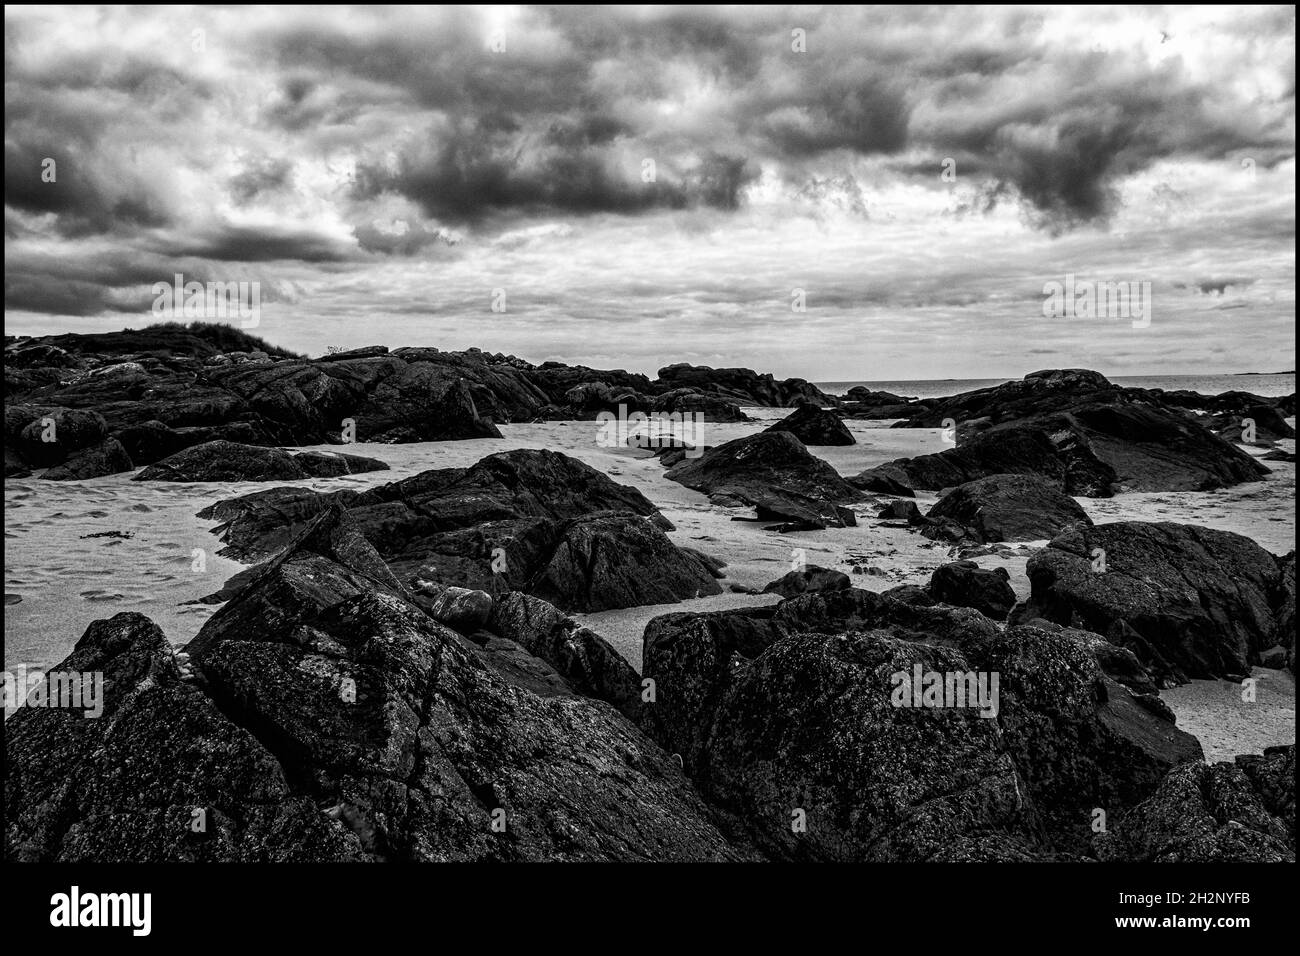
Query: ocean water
[{"x": 1270, "y": 386}]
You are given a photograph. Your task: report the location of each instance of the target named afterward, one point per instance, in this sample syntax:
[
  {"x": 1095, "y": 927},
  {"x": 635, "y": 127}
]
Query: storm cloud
[{"x": 321, "y": 143}]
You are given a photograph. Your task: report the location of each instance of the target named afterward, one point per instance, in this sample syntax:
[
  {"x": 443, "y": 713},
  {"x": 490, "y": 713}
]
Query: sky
[{"x": 835, "y": 193}]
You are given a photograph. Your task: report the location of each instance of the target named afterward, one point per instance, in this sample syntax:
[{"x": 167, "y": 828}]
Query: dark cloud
[{"x": 248, "y": 244}]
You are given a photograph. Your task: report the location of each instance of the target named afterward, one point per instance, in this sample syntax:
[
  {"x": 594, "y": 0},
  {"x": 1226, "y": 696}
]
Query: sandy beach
[{"x": 80, "y": 551}]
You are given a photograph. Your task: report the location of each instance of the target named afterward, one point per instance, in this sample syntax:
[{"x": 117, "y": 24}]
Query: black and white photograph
[{"x": 651, "y": 434}]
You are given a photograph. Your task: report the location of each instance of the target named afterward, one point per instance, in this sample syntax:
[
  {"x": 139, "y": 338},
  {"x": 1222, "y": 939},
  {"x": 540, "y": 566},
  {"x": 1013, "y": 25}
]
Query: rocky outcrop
[
  {"x": 1103, "y": 439},
  {"x": 787, "y": 714},
  {"x": 533, "y": 521},
  {"x": 966, "y": 584},
  {"x": 861, "y": 402},
  {"x": 774, "y": 473},
  {"x": 811, "y": 578},
  {"x": 70, "y": 444},
  {"x": 231, "y": 461},
  {"x": 744, "y": 386},
  {"x": 321, "y": 716},
  {"x": 1018, "y": 450},
  {"x": 1008, "y": 508},
  {"x": 1241, "y": 812},
  {"x": 1257, "y": 424},
  {"x": 814, "y": 425},
  {"x": 585, "y": 660},
  {"x": 1190, "y": 602}
]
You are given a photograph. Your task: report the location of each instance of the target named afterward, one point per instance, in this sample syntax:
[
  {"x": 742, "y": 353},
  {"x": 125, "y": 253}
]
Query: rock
[
  {"x": 1243, "y": 812},
  {"x": 231, "y": 461},
  {"x": 1266, "y": 423},
  {"x": 1010, "y": 508},
  {"x": 535, "y": 521},
  {"x": 1278, "y": 454},
  {"x": 814, "y": 425},
  {"x": 347, "y": 726},
  {"x": 811, "y": 578},
  {"x": 461, "y": 609},
  {"x": 107, "y": 458},
  {"x": 755, "y": 700},
  {"x": 1284, "y": 608},
  {"x": 966, "y": 584},
  {"x": 807, "y": 736},
  {"x": 518, "y": 668},
  {"x": 692, "y": 401},
  {"x": 126, "y": 787},
  {"x": 333, "y": 464},
  {"x": 775, "y": 473},
  {"x": 616, "y": 559},
  {"x": 744, "y": 386},
  {"x": 1274, "y": 657},
  {"x": 1012, "y": 450},
  {"x": 1107, "y": 439},
  {"x": 585, "y": 660},
  {"x": 1190, "y": 602},
  {"x": 901, "y": 511}
]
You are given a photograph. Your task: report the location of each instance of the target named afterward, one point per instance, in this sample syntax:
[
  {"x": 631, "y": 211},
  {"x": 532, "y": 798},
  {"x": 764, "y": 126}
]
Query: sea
[{"x": 1269, "y": 385}]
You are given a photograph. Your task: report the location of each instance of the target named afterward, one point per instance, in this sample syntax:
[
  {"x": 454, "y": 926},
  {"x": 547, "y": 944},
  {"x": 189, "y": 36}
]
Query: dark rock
[
  {"x": 384, "y": 730},
  {"x": 966, "y": 584},
  {"x": 535, "y": 521},
  {"x": 1011, "y": 450},
  {"x": 513, "y": 664},
  {"x": 585, "y": 660},
  {"x": 744, "y": 386},
  {"x": 107, "y": 458},
  {"x": 1107, "y": 439},
  {"x": 1190, "y": 602},
  {"x": 811, "y": 578},
  {"x": 461, "y": 609},
  {"x": 1010, "y": 508},
  {"x": 814, "y": 425},
  {"x": 901, "y": 511},
  {"x": 613, "y": 560},
  {"x": 127, "y": 786},
  {"x": 1242, "y": 812},
  {"x": 1268, "y": 425},
  {"x": 230, "y": 461},
  {"x": 776, "y": 474},
  {"x": 1284, "y": 608},
  {"x": 790, "y": 707}
]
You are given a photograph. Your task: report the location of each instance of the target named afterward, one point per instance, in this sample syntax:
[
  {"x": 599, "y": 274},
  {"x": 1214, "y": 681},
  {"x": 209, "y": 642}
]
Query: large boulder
[
  {"x": 792, "y": 708},
  {"x": 1014, "y": 449},
  {"x": 322, "y": 716},
  {"x": 1009, "y": 508},
  {"x": 162, "y": 775},
  {"x": 231, "y": 461},
  {"x": 535, "y": 521},
  {"x": 1190, "y": 602},
  {"x": 1241, "y": 812},
  {"x": 1107, "y": 439},
  {"x": 777, "y": 475},
  {"x": 966, "y": 584},
  {"x": 810, "y": 578},
  {"x": 96, "y": 461},
  {"x": 584, "y": 659},
  {"x": 814, "y": 425},
  {"x": 743, "y": 386}
]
